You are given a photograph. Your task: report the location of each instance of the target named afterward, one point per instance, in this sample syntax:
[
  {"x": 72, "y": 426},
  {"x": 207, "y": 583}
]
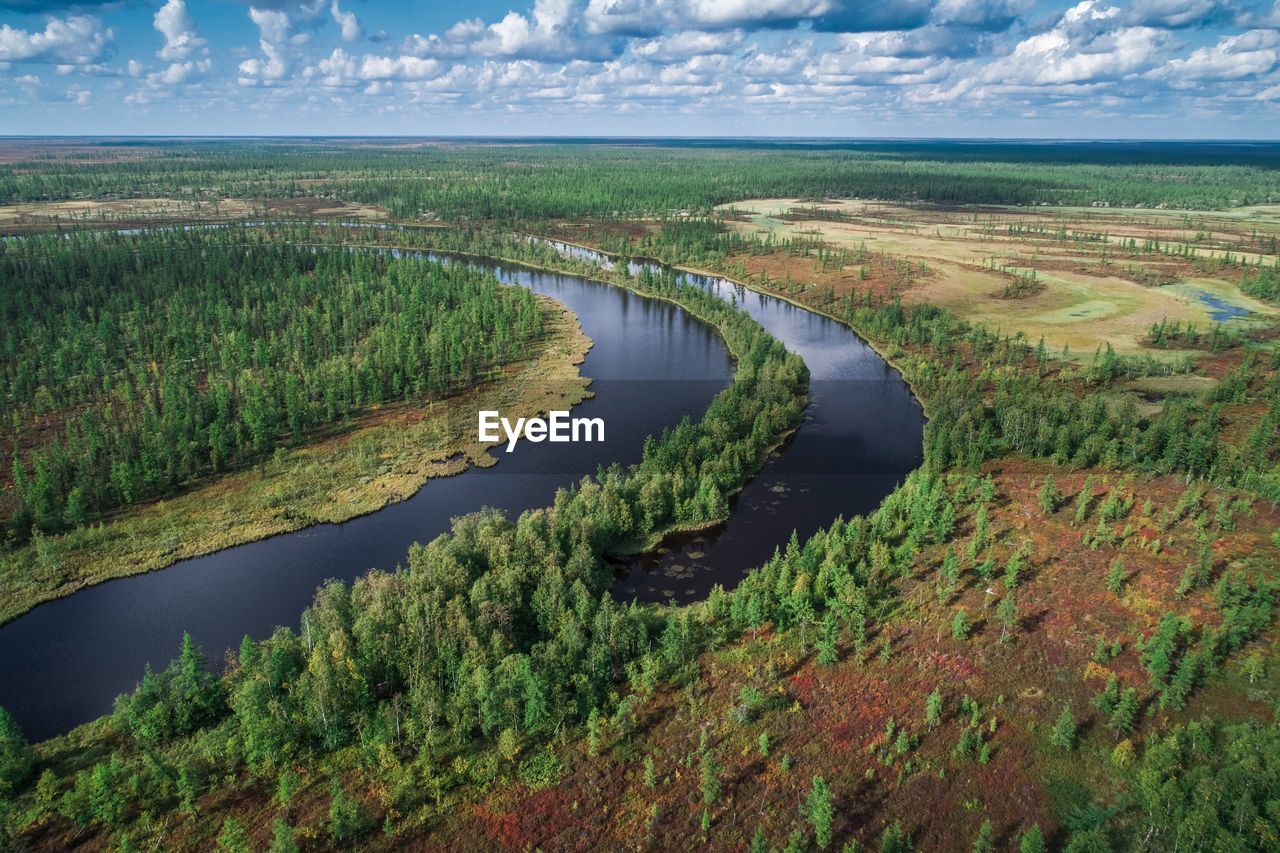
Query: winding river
[{"x": 63, "y": 663}]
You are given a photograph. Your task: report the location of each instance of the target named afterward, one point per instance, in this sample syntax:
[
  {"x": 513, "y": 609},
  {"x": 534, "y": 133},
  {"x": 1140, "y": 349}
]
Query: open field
[
  {"x": 1092, "y": 285},
  {"x": 137, "y": 212},
  {"x": 383, "y": 457}
]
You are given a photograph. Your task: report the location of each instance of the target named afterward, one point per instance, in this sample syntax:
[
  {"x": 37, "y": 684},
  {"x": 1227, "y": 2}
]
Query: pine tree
[
  {"x": 1049, "y": 497},
  {"x": 960, "y": 625},
  {"x": 985, "y": 840},
  {"x": 1115, "y": 577},
  {"x": 17, "y": 758},
  {"x": 1124, "y": 714},
  {"x": 282, "y": 838},
  {"x": 933, "y": 709},
  {"x": 1063, "y": 735},
  {"x": 894, "y": 839},
  {"x": 233, "y": 838},
  {"x": 1031, "y": 841},
  {"x": 827, "y": 655},
  {"x": 1008, "y": 615},
  {"x": 709, "y": 780},
  {"x": 821, "y": 811},
  {"x": 1083, "y": 499}
]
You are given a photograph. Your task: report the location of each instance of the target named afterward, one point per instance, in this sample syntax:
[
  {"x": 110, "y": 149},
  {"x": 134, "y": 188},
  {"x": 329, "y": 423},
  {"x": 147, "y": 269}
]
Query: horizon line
[{"x": 643, "y": 137}]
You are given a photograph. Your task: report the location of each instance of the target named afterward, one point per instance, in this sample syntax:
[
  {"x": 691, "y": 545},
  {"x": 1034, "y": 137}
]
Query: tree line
[{"x": 533, "y": 182}]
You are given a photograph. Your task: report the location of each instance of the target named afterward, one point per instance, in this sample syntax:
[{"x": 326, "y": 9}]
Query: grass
[
  {"x": 1087, "y": 300},
  {"x": 384, "y": 457},
  {"x": 40, "y": 216}
]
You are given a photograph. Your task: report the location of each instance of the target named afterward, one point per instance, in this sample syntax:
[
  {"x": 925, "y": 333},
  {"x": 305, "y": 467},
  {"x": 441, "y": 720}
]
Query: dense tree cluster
[
  {"x": 132, "y": 363},
  {"x": 511, "y": 183}
]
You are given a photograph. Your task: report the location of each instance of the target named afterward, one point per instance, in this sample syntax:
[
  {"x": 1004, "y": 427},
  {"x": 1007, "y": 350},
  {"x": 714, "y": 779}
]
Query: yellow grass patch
[{"x": 1093, "y": 301}]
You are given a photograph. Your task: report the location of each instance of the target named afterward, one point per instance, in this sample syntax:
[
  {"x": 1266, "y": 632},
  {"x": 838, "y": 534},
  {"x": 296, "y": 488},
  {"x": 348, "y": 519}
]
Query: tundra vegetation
[{"x": 1057, "y": 632}]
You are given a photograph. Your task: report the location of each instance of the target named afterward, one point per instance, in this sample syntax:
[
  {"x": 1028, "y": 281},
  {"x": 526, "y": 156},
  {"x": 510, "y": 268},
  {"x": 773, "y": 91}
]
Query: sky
[{"x": 845, "y": 68}]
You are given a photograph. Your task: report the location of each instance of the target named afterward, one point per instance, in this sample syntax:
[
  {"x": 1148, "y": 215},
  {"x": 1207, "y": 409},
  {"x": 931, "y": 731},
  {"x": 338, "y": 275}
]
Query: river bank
[{"x": 381, "y": 458}]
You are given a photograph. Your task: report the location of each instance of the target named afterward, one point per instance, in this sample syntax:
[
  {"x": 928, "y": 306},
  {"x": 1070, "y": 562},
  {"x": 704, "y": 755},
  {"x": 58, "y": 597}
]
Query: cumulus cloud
[
  {"x": 340, "y": 69},
  {"x": 348, "y": 23},
  {"x": 181, "y": 39},
  {"x": 1084, "y": 46},
  {"x": 549, "y": 33},
  {"x": 75, "y": 40},
  {"x": 651, "y": 17},
  {"x": 709, "y": 57},
  {"x": 1250, "y": 54},
  {"x": 690, "y": 43},
  {"x": 273, "y": 39}
]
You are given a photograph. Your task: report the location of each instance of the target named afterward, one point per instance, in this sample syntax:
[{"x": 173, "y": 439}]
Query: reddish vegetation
[{"x": 832, "y": 721}]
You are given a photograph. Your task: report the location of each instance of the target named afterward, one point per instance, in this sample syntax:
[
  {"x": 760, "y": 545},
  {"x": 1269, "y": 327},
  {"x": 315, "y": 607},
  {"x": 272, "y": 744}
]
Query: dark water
[
  {"x": 62, "y": 663},
  {"x": 1220, "y": 311},
  {"x": 861, "y": 435}
]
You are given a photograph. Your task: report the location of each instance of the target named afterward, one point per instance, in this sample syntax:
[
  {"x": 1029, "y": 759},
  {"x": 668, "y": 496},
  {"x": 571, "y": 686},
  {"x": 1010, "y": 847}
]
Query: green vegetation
[
  {"x": 143, "y": 362},
  {"x": 520, "y": 183},
  {"x": 492, "y": 689}
]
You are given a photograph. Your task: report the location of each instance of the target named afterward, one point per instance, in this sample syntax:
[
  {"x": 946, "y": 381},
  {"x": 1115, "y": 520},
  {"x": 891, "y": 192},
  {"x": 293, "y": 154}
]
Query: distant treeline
[{"x": 523, "y": 182}]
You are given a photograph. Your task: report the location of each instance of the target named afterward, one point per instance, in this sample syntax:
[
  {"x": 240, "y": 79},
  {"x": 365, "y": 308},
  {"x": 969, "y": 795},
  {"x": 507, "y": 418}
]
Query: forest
[
  {"x": 140, "y": 362},
  {"x": 509, "y": 183},
  {"x": 1057, "y": 633}
]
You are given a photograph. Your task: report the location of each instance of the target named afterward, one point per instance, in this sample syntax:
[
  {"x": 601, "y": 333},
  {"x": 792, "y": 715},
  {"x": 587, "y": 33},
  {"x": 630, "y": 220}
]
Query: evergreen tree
[
  {"x": 17, "y": 758},
  {"x": 233, "y": 838},
  {"x": 282, "y": 838},
  {"x": 933, "y": 709},
  {"x": 985, "y": 841},
  {"x": 1048, "y": 496},
  {"x": 1063, "y": 735},
  {"x": 1031, "y": 841},
  {"x": 821, "y": 812}
]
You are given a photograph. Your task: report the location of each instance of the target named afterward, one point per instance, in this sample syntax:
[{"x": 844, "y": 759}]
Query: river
[{"x": 63, "y": 663}]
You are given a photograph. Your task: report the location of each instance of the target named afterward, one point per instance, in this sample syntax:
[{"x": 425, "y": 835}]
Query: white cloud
[
  {"x": 341, "y": 69},
  {"x": 688, "y": 43},
  {"x": 181, "y": 39},
  {"x": 347, "y": 22},
  {"x": 272, "y": 24},
  {"x": 1250, "y": 54},
  {"x": 273, "y": 31},
  {"x": 77, "y": 39},
  {"x": 29, "y": 84},
  {"x": 1087, "y": 45},
  {"x": 548, "y": 33},
  {"x": 651, "y": 17}
]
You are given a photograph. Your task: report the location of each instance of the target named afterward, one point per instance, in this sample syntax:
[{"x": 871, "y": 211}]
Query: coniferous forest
[
  {"x": 148, "y": 360},
  {"x": 1056, "y": 633}
]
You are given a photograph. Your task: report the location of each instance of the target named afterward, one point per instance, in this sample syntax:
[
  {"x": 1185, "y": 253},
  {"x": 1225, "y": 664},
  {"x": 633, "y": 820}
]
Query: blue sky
[{"x": 1006, "y": 68}]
